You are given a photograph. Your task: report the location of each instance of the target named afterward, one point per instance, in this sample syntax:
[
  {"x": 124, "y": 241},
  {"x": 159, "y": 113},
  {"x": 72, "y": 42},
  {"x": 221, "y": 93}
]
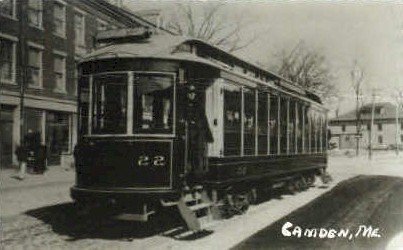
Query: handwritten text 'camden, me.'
[{"x": 289, "y": 230}]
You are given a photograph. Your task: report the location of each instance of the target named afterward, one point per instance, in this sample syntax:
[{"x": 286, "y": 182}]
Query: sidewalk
[
  {"x": 35, "y": 191},
  {"x": 54, "y": 174}
]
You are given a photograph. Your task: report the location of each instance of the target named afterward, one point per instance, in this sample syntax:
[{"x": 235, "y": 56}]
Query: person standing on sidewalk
[{"x": 22, "y": 155}]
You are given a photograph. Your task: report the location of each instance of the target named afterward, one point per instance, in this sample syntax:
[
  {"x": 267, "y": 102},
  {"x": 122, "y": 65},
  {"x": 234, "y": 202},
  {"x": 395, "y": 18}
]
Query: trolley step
[{"x": 195, "y": 209}]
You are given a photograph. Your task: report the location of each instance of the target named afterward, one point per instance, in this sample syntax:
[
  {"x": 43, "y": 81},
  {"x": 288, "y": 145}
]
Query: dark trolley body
[{"x": 170, "y": 121}]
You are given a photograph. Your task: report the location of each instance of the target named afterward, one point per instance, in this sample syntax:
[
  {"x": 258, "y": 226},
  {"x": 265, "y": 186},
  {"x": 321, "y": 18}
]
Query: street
[{"x": 360, "y": 194}]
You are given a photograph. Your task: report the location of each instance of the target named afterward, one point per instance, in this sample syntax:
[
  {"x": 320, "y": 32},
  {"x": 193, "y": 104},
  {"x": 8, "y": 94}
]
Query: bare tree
[
  {"x": 206, "y": 22},
  {"x": 357, "y": 77},
  {"x": 308, "y": 68}
]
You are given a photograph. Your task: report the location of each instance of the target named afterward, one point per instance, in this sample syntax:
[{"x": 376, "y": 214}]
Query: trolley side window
[
  {"x": 284, "y": 104},
  {"x": 109, "y": 104},
  {"x": 291, "y": 127},
  {"x": 313, "y": 133},
  {"x": 153, "y": 103},
  {"x": 273, "y": 123},
  {"x": 306, "y": 130},
  {"x": 84, "y": 99},
  {"x": 299, "y": 127},
  {"x": 262, "y": 122},
  {"x": 249, "y": 114},
  {"x": 232, "y": 120}
]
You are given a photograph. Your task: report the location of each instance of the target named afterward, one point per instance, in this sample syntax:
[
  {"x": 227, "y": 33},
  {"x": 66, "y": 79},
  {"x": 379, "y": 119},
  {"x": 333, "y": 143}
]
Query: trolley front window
[
  {"x": 109, "y": 104},
  {"x": 153, "y": 103}
]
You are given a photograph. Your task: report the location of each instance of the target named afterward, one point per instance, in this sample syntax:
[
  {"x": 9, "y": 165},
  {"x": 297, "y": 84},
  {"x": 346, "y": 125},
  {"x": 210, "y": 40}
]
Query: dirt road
[{"x": 370, "y": 201}]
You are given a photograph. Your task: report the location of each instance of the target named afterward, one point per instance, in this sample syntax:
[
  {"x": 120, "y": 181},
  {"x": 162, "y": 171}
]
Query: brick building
[
  {"x": 385, "y": 131},
  {"x": 40, "y": 44}
]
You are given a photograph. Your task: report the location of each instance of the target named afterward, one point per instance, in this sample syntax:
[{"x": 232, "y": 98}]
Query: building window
[
  {"x": 35, "y": 10},
  {"x": 57, "y": 134},
  {"x": 79, "y": 28},
  {"x": 379, "y": 126},
  {"x": 76, "y": 77},
  {"x": 401, "y": 126},
  {"x": 369, "y": 126},
  {"x": 59, "y": 18},
  {"x": 7, "y": 8},
  {"x": 34, "y": 68},
  {"x": 60, "y": 74},
  {"x": 7, "y": 61},
  {"x": 33, "y": 121},
  {"x": 401, "y": 138},
  {"x": 380, "y": 139},
  {"x": 343, "y": 128}
]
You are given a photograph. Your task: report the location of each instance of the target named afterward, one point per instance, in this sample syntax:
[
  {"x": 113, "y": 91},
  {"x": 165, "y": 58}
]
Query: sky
[{"x": 344, "y": 31}]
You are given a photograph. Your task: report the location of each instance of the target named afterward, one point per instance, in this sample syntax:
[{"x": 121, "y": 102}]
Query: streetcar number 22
[{"x": 156, "y": 161}]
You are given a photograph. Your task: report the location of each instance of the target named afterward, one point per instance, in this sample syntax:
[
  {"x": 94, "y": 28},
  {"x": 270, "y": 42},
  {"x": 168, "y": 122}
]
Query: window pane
[
  {"x": 324, "y": 131},
  {"x": 283, "y": 124},
  {"x": 153, "y": 103},
  {"x": 59, "y": 17},
  {"x": 306, "y": 131},
  {"x": 6, "y": 7},
  {"x": 273, "y": 124},
  {"x": 6, "y": 59},
  {"x": 298, "y": 132},
  {"x": 262, "y": 123},
  {"x": 109, "y": 102},
  {"x": 35, "y": 4},
  {"x": 313, "y": 133},
  {"x": 33, "y": 121},
  {"x": 291, "y": 127},
  {"x": 249, "y": 121},
  {"x": 57, "y": 132},
  {"x": 34, "y": 67},
  {"x": 79, "y": 29},
  {"x": 59, "y": 64},
  {"x": 35, "y": 12},
  {"x": 83, "y": 105},
  {"x": 232, "y": 120},
  {"x": 34, "y": 58}
]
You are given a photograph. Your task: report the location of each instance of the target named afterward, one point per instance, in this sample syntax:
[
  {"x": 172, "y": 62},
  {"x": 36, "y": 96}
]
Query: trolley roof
[{"x": 165, "y": 46}]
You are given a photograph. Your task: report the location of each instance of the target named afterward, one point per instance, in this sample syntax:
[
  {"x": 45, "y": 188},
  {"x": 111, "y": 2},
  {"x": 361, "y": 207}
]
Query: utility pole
[
  {"x": 372, "y": 125},
  {"x": 357, "y": 76},
  {"x": 23, "y": 73}
]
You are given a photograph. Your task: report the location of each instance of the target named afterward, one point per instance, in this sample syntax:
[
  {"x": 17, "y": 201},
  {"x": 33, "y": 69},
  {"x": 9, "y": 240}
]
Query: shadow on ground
[
  {"x": 363, "y": 200},
  {"x": 64, "y": 220}
]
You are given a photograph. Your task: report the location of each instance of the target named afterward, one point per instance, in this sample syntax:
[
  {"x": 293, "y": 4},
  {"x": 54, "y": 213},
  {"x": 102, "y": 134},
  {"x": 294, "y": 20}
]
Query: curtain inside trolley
[{"x": 126, "y": 103}]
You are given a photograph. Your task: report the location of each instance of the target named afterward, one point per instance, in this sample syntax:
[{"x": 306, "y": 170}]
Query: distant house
[{"x": 344, "y": 131}]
